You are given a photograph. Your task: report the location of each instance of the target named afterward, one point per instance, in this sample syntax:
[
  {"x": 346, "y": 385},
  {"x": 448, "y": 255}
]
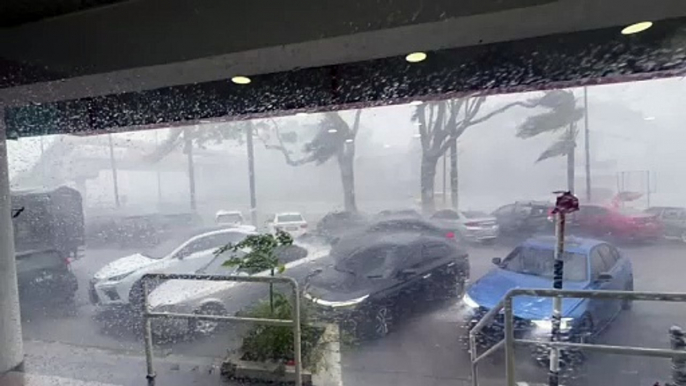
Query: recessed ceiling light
[
  {"x": 349, "y": 140},
  {"x": 241, "y": 80},
  {"x": 333, "y": 131},
  {"x": 301, "y": 114},
  {"x": 416, "y": 103},
  {"x": 416, "y": 57},
  {"x": 637, "y": 27}
]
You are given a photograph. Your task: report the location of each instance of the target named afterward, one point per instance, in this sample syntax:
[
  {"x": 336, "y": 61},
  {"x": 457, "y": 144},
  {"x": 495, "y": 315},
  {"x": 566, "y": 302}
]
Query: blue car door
[
  {"x": 618, "y": 270},
  {"x": 601, "y": 310}
]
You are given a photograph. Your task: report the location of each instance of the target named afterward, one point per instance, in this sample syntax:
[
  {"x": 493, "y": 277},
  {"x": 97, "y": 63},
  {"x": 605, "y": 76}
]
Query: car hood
[
  {"x": 124, "y": 265},
  {"x": 492, "y": 287},
  {"x": 332, "y": 285}
]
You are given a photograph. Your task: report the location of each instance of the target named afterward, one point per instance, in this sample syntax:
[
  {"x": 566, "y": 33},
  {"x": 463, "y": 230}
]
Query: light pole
[
  {"x": 113, "y": 165},
  {"x": 251, "y": 172},
  {"x": 188, "y": 147},
  {"x": 587, "y": 146}
]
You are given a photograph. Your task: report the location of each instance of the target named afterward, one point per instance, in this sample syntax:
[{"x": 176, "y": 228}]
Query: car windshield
[
  {"x": 289, "y": 218},
  {"x": 540, "y": 262},
  {"x": 229, "y": 218},
  {"x": 371, "y": 262}
]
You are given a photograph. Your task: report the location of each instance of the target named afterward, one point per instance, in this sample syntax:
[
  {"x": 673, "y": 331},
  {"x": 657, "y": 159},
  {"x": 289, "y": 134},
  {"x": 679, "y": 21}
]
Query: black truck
[{"x": 49, "y": 219}]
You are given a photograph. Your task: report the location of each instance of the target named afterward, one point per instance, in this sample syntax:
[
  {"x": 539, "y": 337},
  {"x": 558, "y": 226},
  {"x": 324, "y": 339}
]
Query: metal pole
[
  {"x": 678, "y": 342},
  {"x": 587, "y": 145},
  {"x": 159, "y": 175},
  {"x": 150, "y": 376},
  {"x": 251, "y": 172},
  {"x": 297, "y": 355},
  {"x": 553, "y": 377},
  {"x": 191, "y": 168},
  {"x": 509, "y": 343},
  {"x": 444, "y": 182},
  {"x": 473, "y": 356},
  {"x": 11, "y": 345},
  {"x": 113, "y": 165}
]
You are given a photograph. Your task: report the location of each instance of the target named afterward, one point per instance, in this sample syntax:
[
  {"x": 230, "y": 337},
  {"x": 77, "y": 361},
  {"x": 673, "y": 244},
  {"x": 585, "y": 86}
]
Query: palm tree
[{"x": 562, "y": 116}]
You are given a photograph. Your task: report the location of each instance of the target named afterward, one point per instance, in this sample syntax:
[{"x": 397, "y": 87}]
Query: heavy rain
[{"x": 356, "y": 240}]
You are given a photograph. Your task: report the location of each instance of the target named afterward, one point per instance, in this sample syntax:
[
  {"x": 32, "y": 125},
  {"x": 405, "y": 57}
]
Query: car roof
[
  {"x": 573, "y": 244},
  {"x": 224, "y": 212},
  {"x": 215, "y": 229},
  {"x": 289, "y": 214}
]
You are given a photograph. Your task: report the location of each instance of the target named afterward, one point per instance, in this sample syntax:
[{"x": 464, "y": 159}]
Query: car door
[
  {"x": 601, "y": 310},
  {"x": 618, "y": 271},
  {"x": 504, "y": 217},
  {"x": 673, "y": 221}
]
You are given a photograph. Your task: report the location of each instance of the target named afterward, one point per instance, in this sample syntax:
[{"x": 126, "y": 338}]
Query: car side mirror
[
  {"x": 603, "y": 277},
  {"x": 497, "y": 261}
]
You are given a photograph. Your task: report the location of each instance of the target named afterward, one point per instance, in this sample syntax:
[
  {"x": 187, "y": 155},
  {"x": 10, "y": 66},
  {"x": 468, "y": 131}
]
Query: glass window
[
  {"x": 446, "y": 215},
  {"x": 504, "y": 210},
  {"x": 540, "y": 262},
  {"x": 598, "y": 264},
  {"x": 210, "y": 242},
  {"x": 434, "y": 251},
  {"x": 609, "y": 256},
  {"x": 375, "y": 261}
]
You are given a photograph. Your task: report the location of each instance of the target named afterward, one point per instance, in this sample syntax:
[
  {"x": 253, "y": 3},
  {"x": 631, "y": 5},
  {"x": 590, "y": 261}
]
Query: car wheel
[
  {"x": 382, "y": 319},
  {"x": 206, "y": 327},
  {"x": 627, "y": 304}
]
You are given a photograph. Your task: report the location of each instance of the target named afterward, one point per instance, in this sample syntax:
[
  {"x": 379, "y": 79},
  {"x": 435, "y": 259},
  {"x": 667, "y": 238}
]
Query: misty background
[{"x": 635, "y": 136}]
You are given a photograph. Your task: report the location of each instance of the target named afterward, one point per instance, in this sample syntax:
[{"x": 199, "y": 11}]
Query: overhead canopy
[{"x": 146, "y": 62}]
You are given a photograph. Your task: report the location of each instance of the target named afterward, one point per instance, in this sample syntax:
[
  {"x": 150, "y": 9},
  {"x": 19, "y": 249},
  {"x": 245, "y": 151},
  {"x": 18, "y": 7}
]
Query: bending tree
[
  {"x": 334, "y": 138},
  {"x": 440, "y": 125},
  {"x": 562, "y": 115}
]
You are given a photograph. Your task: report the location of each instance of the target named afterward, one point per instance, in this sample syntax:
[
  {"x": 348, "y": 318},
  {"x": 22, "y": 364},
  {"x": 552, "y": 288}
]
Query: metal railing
[
  {"x": 148, "y": 315},
  {"x": 509, "y": 340}
]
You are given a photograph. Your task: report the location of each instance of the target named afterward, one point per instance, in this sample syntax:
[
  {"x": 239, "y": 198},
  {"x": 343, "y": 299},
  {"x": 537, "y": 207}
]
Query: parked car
[
  {"x": 673, "y": 221},
  {"x": 588, "y": 265},
  {"x": 336, "y": 224},
  {"x": 470, "y": 226},
  {"x": 523, "y": 218},
  {"x": 619, "y": 223},
  {"x": 292, "y": 223},
  {"x": 118, "y": 283},
  {"x": 399, "y": 213},
  {"x": 220, "y": 297},
  {"x": 46, "y": 275},
  {"x": 229, "y": 217},
  {"x": 379, "y": 278}
]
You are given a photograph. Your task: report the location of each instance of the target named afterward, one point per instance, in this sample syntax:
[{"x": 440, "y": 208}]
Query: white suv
[{"x": 118, "y": 283}]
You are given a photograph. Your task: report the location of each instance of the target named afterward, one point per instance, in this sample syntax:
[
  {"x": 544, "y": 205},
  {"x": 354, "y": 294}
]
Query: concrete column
[{"x": 11, "y": 345}]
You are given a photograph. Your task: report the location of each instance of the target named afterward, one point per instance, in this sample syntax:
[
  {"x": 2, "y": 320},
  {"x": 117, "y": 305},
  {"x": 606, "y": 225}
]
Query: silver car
[
  {"x": 220, "y": 297},
  {"x": 471, "y": 226}
]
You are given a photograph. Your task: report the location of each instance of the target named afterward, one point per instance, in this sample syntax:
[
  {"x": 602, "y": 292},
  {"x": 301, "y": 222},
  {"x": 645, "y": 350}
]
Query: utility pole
[
  {"x": 453, "y": 174},
  {"x": 570, "y": 157},
  {"x": 587, "y": 146},
  {"x": 157, "y": 170},
  {"x": 251, "y": 172},
  {"x": 188, "y": 147},
  {"x": 444, "y": 182},
  {"x": 113, "y": 165}
]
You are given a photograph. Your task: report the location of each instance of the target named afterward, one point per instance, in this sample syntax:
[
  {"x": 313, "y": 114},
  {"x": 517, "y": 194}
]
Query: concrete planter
[{"x": 325, "y": 372}]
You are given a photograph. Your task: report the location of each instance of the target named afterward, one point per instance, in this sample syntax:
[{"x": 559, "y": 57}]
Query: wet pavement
[{"x": 426, "y": 349}]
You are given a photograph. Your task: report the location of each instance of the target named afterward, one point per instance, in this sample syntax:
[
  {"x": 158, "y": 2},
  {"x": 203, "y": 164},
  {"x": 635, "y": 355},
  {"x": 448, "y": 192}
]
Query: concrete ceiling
[{"x": 18, "y": 12}]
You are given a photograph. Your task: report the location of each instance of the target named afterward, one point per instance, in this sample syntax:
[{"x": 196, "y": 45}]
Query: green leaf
[{"x": 281, "y": 268}]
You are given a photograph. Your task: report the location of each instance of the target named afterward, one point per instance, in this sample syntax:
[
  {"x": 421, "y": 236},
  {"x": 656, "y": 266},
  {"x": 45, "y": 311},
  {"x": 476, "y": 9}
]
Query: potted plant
[{"x": 266, "y": 352}]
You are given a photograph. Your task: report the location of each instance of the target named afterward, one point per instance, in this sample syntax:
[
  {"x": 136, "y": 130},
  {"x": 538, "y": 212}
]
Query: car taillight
[
  {"x": 450, "y": 235},
  {"x": 303, "y": 226},
  {"x": 67, "y": 261}
]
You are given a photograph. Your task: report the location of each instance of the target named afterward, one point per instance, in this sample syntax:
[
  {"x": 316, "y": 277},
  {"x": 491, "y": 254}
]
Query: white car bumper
[{"x": 103, "y": 293}]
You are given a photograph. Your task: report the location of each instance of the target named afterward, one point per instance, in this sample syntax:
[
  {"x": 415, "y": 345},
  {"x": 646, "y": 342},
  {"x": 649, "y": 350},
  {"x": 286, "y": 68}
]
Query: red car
[{"x": 623, "y": 223}]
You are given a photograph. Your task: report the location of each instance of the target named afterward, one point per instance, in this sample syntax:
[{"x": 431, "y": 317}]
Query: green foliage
[
  {"x": 275, "y": 343},
  {"x": 262, "y": 252}
]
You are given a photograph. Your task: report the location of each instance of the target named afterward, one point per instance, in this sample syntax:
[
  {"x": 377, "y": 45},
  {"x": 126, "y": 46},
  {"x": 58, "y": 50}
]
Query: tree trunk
[
  {"x": 191, "y": 168},
  {"x": 428, "y": 177},
  {"x": 251, "y": 172},
  {"x": 346, "y": 158},
  {"x": 453, "y": 175}
]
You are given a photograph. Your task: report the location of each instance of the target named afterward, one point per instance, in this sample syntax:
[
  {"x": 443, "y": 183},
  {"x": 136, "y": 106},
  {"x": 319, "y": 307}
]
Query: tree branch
[
  {"x": 282, "y": 148},
  {"x": 356, "y": 123},
  {"x": 500, "y": 110}
]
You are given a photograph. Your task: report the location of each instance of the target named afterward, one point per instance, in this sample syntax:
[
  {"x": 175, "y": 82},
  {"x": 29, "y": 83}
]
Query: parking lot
[{"x": 426, "y": 348}]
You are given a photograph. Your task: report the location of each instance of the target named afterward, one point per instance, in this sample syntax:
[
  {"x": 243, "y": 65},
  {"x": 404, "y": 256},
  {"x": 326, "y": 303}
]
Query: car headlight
[
  {"x": 469, "y": 302},
  {"x": 336, "y": 304},
  {"x": 546, "y": 325},
  {"x": 119, "y": 277}
]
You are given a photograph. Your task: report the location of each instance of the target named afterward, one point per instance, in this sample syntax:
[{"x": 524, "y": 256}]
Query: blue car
[{"x": 588, "y": 265}]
